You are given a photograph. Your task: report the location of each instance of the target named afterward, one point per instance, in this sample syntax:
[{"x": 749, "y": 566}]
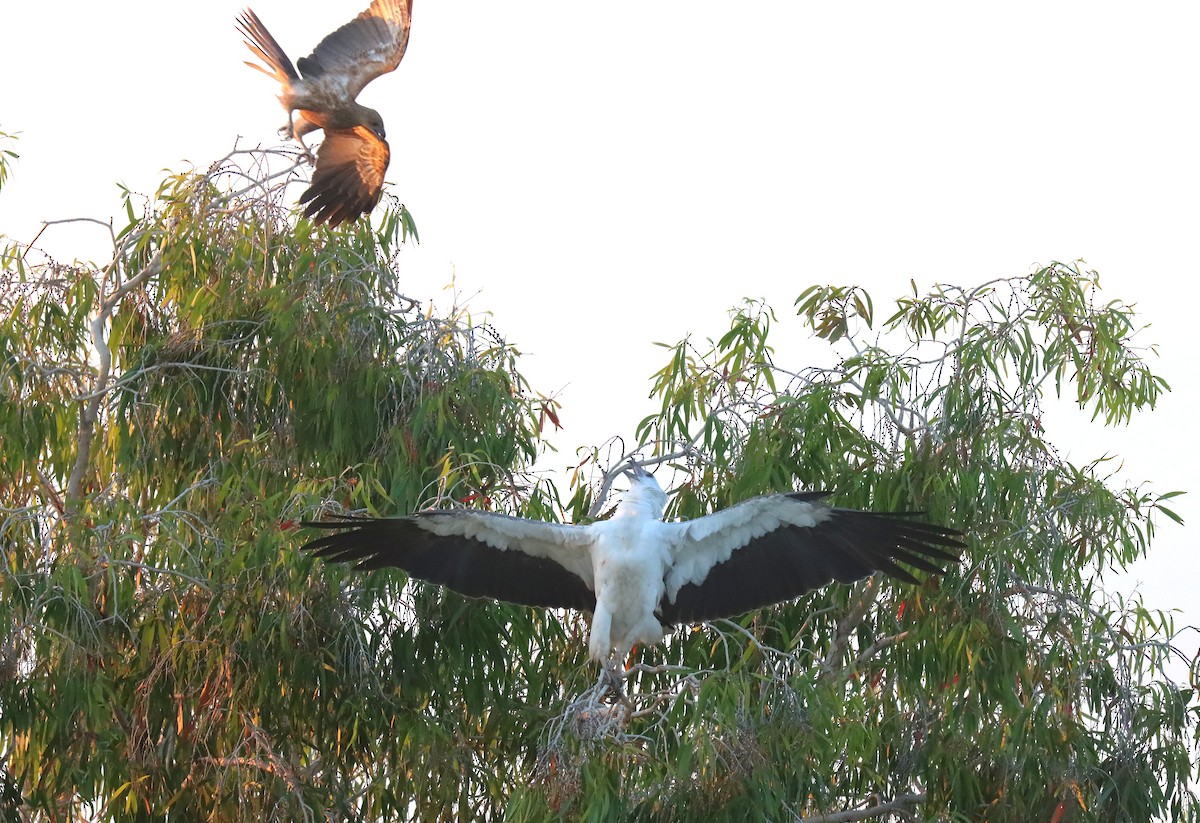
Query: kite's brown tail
[{"x": 263, "y": 45}]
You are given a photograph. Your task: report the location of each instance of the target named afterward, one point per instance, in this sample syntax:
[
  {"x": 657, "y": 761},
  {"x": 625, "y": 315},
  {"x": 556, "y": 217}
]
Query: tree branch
[
  {"x": 620, "y": 466},
  {"x": 90, "y": 414},
  {"x": 145, "y": 567},
  {"x": 846, "y": 627},
  {"x": 894, "y": 806},
  {"x": 876, "y": 647},
  {"x": 48, "y": 487}
]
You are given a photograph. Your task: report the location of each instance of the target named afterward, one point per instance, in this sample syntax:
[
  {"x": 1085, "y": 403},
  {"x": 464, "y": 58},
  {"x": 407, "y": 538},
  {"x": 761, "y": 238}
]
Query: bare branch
[
  {"x": 895, "y": 806},
  {"x": 55, "y": 498},
  {"x": 875, "y": 648},
  {"x": 91, "y": 411},
  {"x": 688, "y": 451},
  {"x": 140, "y": 373},
  {"x": 846, "y": 627},
  {"x": 262, "y": 183},
  {"x": 754, "y": 641},
  {"x": 145, "y": 567}
]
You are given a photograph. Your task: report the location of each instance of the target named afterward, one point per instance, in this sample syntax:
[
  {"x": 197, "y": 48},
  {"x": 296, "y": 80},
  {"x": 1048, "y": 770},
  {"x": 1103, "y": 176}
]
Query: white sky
[{"x": 602, "y": 176}]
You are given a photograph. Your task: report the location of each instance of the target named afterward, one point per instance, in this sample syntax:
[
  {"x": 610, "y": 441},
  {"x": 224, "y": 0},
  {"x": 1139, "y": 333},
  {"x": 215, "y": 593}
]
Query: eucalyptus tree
[
  {"x": 172, "y": 412},
  {"x": 168, "y": 415}
]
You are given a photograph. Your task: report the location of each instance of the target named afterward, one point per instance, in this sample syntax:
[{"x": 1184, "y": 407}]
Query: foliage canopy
[{"x": 169, "y": 415}]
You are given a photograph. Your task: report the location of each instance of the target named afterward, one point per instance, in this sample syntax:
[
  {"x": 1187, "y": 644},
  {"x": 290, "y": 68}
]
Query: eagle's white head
[{"x": 645, "y": 497}]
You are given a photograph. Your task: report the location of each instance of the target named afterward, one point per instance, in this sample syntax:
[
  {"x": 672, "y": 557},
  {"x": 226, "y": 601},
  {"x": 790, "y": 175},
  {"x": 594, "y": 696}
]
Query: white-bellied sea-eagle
[{"x": 637, "y": 574}]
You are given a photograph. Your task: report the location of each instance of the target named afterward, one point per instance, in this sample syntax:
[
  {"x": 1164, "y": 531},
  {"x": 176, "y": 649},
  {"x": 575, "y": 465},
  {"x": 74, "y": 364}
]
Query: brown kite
[{"x": 351, "y": 161}]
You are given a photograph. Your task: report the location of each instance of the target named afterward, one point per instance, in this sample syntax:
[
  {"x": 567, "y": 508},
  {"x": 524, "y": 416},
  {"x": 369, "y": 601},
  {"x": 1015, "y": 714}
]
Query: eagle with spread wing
[
  {"x": 638, "y": 574},
  {"x": 352, "y": 159}
]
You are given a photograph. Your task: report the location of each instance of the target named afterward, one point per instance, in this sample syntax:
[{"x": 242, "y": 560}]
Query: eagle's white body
[{"x": 631, "y": 555}]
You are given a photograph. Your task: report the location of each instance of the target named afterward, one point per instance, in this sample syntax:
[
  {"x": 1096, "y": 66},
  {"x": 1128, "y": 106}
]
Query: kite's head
[{"x": 374, "y": 121}]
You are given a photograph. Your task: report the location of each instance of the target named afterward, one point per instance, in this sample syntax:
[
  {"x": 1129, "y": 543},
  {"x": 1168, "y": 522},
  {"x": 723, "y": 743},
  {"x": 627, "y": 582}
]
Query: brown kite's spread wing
[
  {"x": 349, "y": 176},
  {"x": 369, "y": 45}
]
